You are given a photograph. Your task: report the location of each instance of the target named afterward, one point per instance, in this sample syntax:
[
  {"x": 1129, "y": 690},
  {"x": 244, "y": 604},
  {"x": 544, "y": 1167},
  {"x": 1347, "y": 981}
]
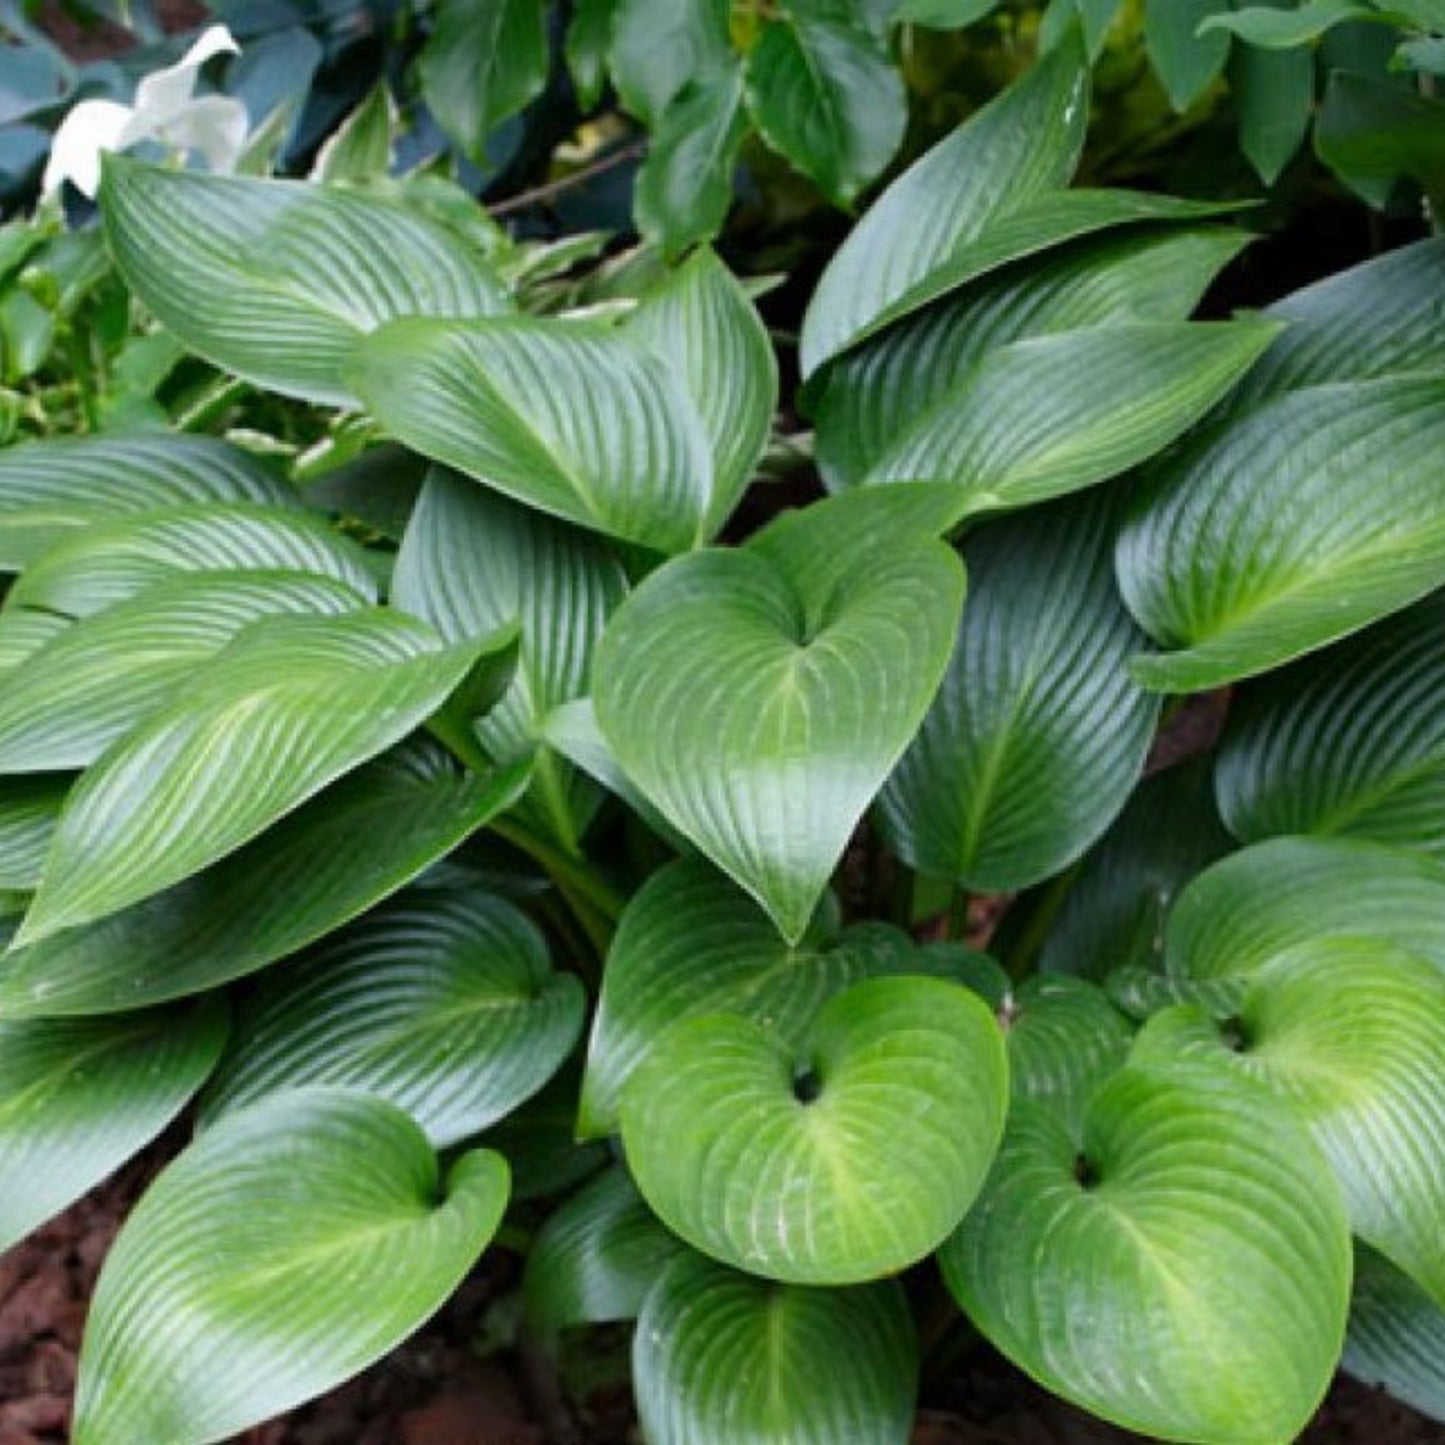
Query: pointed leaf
[
  {"x": 1372, "y": 133},
  {"x": 1185, "y": 61},
  {"x": 589, "y": 38},
  {"x": 1274, "y": 94},
  {"x": 277, "y": 280},
  {"x": 442, "y": 1003},
  {"x": 29, "y": 808},
  {"x": 718, "y": 1356},
  {"x": 656, "y": 52},
  {"x": 1191, "y": 1286},
  {"x": 279, "y": 1255},
  {"x": 843, "y": 1161},
  {"x": 78, "y": 1098},
  {"x": 1397, "y": 1335},
  {"x": 1303, "y": 521}
]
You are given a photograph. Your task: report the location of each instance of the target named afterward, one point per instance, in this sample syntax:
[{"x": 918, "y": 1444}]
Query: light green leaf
[
  {"x": 1283, "y": 29},
  {"x": 1186, "y": 1275},
  {"x": 484, "y": 60},
  {"x": 1142, "y": 993},
  {"x": 50, "y": 489},
  {"x": 689, "y": 945},
  {"x": 355, "y": 842},
  {"x": 279, "y": 1255},
  {"x": 277, "y": 280},
  {"x": 1274, "y": 95},
  {"x": 1185, "y": 61},
  {"x": 760, "y": 708},
  {"x": 78, "y": 1098},
  {"x": 589, "y": 38},
  {"x": 29, "y": 808},
  {"x": 718, "y": 1356},
  {"x": 94, "y": 682},
  {"x": 497, "y": 400},
  {"x": 656, "y": 52},
  {"x": 24, "y": 630},
  {"x": 841, "y": 1161},
  {"x": 359, "y": 149},
  {"x": 441, "y": 1002},
  {"x": 290, "y": 706},
  {"x": 1300, "y": 523},
  {"x": 1397, "y": 1335},
  {"x": 1024, "y": 143},
  {"x": 1038, "y": 733}
]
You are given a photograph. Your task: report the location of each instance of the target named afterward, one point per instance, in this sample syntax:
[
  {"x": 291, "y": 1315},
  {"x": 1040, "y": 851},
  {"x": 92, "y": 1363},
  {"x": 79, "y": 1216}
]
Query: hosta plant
[{"x": 586, "y": 775}]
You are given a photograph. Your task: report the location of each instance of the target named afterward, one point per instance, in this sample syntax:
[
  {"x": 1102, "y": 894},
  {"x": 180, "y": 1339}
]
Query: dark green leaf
[
  {"x": 655, "y": 52},
  {"x": 1186, "y": 62},
  {"x": 28, "y": 810},
  {"x": 589, "y": 38},
  {"x": 1371, "y": 133},
  {"x": 1274, "y": 92}
]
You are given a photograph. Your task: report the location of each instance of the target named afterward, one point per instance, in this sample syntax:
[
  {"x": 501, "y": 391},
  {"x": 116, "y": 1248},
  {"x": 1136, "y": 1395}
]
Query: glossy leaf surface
[
  {"x": 28, "y": 810},
  {"x": 1397, "y": 1335}
]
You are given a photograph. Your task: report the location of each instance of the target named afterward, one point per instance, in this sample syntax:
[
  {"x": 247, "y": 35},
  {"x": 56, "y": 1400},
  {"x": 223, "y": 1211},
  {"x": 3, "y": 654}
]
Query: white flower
[{"x": 166, "y": 109}]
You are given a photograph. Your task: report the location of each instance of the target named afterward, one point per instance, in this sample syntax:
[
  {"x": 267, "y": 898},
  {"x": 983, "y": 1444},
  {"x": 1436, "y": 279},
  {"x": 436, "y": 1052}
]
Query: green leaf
[
  {"x": 496, "y": 400},
  {"x": 1186, "y": 62},
  {"x": 473, "y": 562},
  {"x": 360, "y": 147},
  {"x": 718, "y": 1356},
  {"x": 24, "y": 631},
  {"x": 596, "y": 1258},
  {"x": 702, "y": 326},
  {"x": 824, "y": 93},
  {"x": 277, "y": 280},
  {"x": 94, "y": 682},
  {"x": 589, "y": 38},
  {"x": 1300, "y": 523},
  {"x": 1191, "y": 1285},
  {"x": 484, "y": 60},
  {"x": 1397, "y": 1335},
  {"x": 1024, "y": 143},
  {"x": 655, "y": 52},
  {"x": 353, "y": 844},
  {"x": 868, "y": 395},
  {"x": 81, "y": 1096},
  {"x": 29, "y": 808},
  {"x": 842, "y": 1161},
  {"x": 288, "y": 707},
  {"x": 441, "y": 1002},
  {"x": 1279, "y": 29},
  {"x": 1274, "y": 94},
  {"x": 760, "y": 708},
  {"x": 689, "y": 945},
  {"x": 1116, "y": 395},
  {"x": 50, "y": 489},
  {"x": 1371, "y": 133},
  {"x": 1038, "y": 733},
  {"x": 536, "y": 1140},
  {"x": 1348, "y": 1035},
  {"x": 107, "y": 563},
  {"x": 944, "y": 14},
  {"x": 1258, "y": 903},
  {"x": 685, "y": 183},
  {"x": 279, "y": 1255}
]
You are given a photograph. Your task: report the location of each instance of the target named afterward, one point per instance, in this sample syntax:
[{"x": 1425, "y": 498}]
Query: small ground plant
[{"x": 494, "y": 767}]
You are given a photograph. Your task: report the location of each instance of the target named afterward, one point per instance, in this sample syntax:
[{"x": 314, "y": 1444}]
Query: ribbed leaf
[
  {"x": 29, "y": 808},
  {"x": 760, "y": 697},
  {"x": 49, "y": 489},
  {"x": 869, "y": 394},
  {"x": 1307, "y": 519},
  {"x": 97, "y": 680},
  {"x": 1256, "y": 904},
  {"x": 1038, "y": 733},
  {"x": 718, "y": 1356},
  {"x": 689, "y": 945},
  {"x": 24, "y": 630},
  {"x": 281, "y": 1253},
  {"x": 109, "y": 562},
  {"x": 443, "y": 1003},
  {"x": 355, "y": 842},
  {"x": 1397, "y": 1335},
  {"x": 79, "y": 1097},
  {"x": 570, "y": 417},
  {"x": 288, "y": 707},
  {"x": 1186, "y": 1277},
  {"x": 1185, "y": 61},
  {"x": 277, "y": 280},
  {"x": 1025, "y": 142},
  {"x": 841, "y": 1161},
  {"x": 596, "y": 1258},
  {"x": 1051, "y": 414},
  {"x": 1348, "y": 1033},
  {"x": 1141, "y": 993},
  {"x": 473, "y": 562}
]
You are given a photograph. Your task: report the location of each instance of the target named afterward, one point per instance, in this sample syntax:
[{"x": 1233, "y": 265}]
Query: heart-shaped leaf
[
  {"x": 690, "y": 944},
  {"x": 1186, "y": 1277},
  {"x": 1397, "y": 1335},
  {"x": 355, "y": 842},
  {"x": 443, "y": 1003},
  {"x": 1308, "y": 518},
  {"x": 280, "y": 1254},
  {"x": 1348, "y": 1033},
  {"x": 277, "y": 280},
  {"x": 29, "y": 808},
  {"x": 497, "y": 400},
  {"x": 760, "y": 708},
  {"x": 1038, "y": 733},
  {"x": 50, "y": 489},
  {"x": 842, "y": 1161},
  {"x": 97, "y": 680},
  {"x": 79, "y": 1097},
  {"x": 718, "y": 1356},
  {"x": 290, "y": 706}
]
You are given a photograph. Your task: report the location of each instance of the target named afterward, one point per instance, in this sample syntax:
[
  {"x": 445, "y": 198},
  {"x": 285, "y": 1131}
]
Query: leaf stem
[{"x": 572, "y": 875}]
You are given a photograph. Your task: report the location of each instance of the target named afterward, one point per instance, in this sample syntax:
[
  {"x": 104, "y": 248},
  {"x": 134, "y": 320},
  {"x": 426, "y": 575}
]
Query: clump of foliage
[{"x": 355, "y": 788}]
